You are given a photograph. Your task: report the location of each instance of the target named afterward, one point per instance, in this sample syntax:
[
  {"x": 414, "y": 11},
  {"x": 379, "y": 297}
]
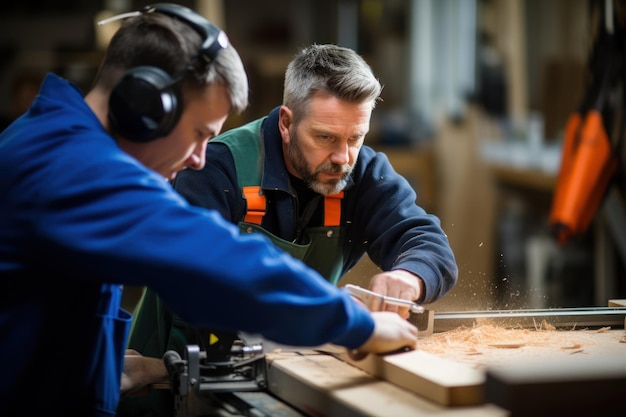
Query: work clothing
[
  {"x": 379, "y": 213},
  {"x": 79, "y": 218},
  {"x": 319, "y": 245}
]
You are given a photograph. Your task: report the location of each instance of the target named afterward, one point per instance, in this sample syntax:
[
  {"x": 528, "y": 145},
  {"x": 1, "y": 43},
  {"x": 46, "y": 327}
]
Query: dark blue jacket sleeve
[{"x": 396, "y": 231}]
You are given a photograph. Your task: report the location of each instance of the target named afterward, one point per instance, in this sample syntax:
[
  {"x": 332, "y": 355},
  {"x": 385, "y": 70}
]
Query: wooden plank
[
  {"x": 567, "y": 387},
  {"x": 565, "y": 371},
  {"x": 443, "y": 381},
  {"x": 322, "y": 385},
  {"x": 448, "y": 374}
]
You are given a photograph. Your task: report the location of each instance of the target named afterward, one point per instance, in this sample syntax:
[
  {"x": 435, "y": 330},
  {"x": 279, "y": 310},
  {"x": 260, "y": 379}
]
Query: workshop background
[{"x": 477, "y": 94}]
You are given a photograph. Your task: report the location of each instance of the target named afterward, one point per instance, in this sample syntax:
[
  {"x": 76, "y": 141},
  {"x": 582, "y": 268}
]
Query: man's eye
[{"x": 357, "y": 140}]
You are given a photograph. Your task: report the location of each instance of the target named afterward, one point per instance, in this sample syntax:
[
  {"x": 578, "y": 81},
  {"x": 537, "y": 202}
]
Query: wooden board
[
  {"x": 567, "y": 387},
  {"x": 564, "y": 370},
  {"x": 322, "y": 385},
  {"x": 447, "y": 373},
  {"x": 443, "y": 381},
  {"x": 450, "y": 368}
]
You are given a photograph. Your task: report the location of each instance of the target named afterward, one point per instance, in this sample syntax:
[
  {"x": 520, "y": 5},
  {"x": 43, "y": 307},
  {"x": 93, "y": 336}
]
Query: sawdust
[{"x": 487, "y": 344}]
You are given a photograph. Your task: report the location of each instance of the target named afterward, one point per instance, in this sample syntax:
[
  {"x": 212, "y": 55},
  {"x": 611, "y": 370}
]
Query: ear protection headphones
[{"x": 146, "y": 103}]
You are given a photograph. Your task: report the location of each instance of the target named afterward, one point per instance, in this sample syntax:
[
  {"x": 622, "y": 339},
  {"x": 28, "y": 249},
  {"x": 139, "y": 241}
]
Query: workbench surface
[
  {"x": 449, "y": 373},
  {"x": 486, "y": 345}
]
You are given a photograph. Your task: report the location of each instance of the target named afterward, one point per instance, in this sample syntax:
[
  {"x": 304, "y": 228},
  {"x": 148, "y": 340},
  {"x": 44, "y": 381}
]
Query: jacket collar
[{"x": 275, "y": 175}]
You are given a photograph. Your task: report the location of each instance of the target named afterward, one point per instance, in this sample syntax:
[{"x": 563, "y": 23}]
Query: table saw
[{"x": 559, "y": 361}]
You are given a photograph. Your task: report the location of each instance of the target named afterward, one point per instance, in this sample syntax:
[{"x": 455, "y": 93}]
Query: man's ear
[{"x": 285, "y": 122}]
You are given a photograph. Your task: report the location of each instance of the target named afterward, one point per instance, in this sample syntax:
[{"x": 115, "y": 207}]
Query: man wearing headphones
[{"x": 87, "y": 207}]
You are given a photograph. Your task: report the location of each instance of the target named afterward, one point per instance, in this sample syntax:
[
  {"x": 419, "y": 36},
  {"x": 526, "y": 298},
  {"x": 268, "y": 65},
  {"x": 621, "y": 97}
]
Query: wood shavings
[
  {"x": 473, "y": 351},
  {"x": 546, "y": 326},
  {"x": 487, "y": 344},
  {"x": 604, "y": 329},
  {"x": 574, "y": 346},
  {"x": 507, "y": 345}
]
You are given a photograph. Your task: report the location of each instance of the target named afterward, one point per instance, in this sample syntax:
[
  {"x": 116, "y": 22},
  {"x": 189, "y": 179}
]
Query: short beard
[{"x": 310, "y": 177}]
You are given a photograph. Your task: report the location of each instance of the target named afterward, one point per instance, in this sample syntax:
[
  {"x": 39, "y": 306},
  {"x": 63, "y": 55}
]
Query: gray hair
[{"x": 329, "y": 68}]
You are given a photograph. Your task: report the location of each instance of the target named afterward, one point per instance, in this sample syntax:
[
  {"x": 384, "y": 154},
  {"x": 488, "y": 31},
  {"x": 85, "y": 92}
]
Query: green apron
[{"x": 323, "y": 247}]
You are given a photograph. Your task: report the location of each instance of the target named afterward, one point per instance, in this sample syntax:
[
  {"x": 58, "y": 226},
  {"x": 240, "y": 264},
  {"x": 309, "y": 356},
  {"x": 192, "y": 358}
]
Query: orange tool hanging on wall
[{"x": 588, "y": 158}]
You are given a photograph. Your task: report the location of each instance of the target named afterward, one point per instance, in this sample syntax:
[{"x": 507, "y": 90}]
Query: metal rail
[{"x": 596, "y": 317}]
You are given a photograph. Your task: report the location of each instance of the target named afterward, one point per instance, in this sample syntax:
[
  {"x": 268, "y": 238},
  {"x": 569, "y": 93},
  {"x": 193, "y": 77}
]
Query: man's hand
[
  {"x": 139, "y": 372},
  {"x": 391, "y": 333},
  {"x": 398, "y": 284}
]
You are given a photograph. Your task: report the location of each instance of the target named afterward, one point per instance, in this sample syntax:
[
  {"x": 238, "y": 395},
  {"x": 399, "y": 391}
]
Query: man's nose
[
  {"x": 341, "y": 154},
  {"x": 197, "y": 160}
]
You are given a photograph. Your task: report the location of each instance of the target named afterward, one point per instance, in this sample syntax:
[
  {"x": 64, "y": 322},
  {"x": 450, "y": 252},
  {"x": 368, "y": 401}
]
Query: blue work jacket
[{"x": 79, "y": 218}]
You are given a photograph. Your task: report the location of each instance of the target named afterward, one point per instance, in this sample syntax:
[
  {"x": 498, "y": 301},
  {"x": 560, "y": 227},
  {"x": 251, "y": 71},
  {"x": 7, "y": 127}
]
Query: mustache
[{"x": 334, "y": 168}]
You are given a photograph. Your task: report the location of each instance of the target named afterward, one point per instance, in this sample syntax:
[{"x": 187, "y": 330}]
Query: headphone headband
[{"x": 214, "y": 39}]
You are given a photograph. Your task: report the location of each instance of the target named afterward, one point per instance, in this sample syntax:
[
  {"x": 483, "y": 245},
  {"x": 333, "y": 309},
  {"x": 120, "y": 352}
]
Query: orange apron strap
[
  {"x": 332, "y": 209},
  {"x": 256, "y": 204}
]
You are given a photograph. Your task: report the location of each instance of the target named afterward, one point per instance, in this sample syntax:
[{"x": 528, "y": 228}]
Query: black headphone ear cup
[{"x": 145, "y": 104}]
